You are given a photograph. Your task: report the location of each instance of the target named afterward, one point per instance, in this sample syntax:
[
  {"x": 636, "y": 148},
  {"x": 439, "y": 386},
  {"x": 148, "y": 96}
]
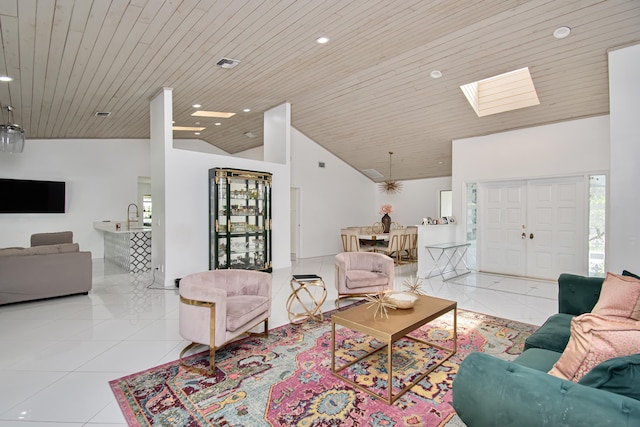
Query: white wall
[
  {"x": 339, "y": 196},
  {"x": 332, "y": 197},
  {"x": 187, "y": 195},
  {"x": 418, "y": 199},
  {"x": 101, "y": 178},
  {"x": 198, "y": 145},
  {"x": 623, "y": 243},
  {"x": 561, "y": 149},
  {"x": 256, "y": 153}
]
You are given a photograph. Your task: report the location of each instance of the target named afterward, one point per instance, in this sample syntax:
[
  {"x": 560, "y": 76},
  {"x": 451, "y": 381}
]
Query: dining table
[{"x": 374, "y": 237}]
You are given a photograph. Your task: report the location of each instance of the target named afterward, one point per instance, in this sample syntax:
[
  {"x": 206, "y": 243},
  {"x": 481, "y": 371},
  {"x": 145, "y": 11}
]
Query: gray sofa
[{"x": 53, "y": 266}]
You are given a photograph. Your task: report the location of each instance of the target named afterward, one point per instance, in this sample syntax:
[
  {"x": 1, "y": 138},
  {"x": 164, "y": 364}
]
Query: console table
[{"x": 446, "y": 258}]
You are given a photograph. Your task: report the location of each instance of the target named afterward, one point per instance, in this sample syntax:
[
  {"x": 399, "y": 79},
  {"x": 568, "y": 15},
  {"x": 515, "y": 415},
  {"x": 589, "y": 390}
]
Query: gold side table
[{"x": 310, "y": 303}]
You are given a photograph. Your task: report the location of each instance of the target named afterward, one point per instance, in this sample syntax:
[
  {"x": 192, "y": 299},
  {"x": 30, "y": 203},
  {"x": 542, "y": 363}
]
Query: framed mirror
[{"x": 446, "y": 203}]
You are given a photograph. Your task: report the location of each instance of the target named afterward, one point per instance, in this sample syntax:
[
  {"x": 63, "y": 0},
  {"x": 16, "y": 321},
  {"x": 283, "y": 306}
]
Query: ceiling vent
[
  {"x": 227, "y": 63},
  {"x": 250, "y": 134},
  {"x": 372, "y": 173},
  {"x": 103, "y": 113}
]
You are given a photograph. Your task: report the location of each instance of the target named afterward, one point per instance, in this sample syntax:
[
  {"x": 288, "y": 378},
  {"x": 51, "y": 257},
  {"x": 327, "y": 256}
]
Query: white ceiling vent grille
[
  {"x": 227, "y": 63},
  {"x": 372, "y": 173}
]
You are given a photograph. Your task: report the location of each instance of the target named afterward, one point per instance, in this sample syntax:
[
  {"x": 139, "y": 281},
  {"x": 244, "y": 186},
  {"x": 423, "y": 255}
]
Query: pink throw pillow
[
  {"x": 595, "y": 339},
  {"x": 620, "y": 297}
]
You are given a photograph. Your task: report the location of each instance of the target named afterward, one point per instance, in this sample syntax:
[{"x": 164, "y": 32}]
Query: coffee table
[{"x": 389, "y": 330}]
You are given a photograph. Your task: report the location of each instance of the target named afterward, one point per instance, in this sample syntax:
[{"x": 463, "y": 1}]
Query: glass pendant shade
[
  {"x": 11, "y": 135},
  {"x": 11, "y": 139}
]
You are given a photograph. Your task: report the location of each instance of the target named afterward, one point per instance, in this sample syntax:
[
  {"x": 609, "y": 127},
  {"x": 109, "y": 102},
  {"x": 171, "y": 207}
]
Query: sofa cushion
[
  {"x": 553, "y": 335},
  {"x": 363, "y": 279},
  {"x": 630, "y": 274},
  {"x": 578, "y": 294},
  {"x": 538, "y": 359},
  {"x": 244, "y": 308},
  {"x": 620, "y": 297},
  {"x": 40, "y": 239},
  {"x": 12, "y": 251},
  {"x": 595, "y": 339},
  {"x": 620, "y": 375},
  {"x": 52, "y": 249}
]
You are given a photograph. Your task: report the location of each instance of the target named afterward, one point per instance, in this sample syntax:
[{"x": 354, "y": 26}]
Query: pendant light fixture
[
  {"x": 11, "y": 135},
  {"x": 390, "y": 186}
]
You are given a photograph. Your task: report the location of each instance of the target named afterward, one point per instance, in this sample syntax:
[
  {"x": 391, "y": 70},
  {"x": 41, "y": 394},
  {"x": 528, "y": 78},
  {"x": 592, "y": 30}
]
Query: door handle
[
  {"x": 531, "y": 236},
  {"x": 524, "y": 236}
]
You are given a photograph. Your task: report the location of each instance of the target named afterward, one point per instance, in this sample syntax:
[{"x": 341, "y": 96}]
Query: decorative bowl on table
[{"x": 402, "y": 300}]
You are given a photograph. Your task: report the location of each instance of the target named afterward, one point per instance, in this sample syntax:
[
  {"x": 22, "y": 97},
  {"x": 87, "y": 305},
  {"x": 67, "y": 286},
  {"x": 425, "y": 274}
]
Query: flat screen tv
[{"x": 27, "y": 196}]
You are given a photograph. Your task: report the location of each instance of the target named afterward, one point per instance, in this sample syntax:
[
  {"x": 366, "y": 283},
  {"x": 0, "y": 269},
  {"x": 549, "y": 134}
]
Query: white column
[
  {"x": 623, "y": 222},
  {"x": 161, "y": 116}
]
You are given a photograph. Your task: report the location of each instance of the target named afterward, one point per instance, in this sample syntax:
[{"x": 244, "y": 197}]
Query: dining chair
[
  {"x": 351, "y": 241},
  {"x": 411, "y": 242},
  {"x": 395, "y": 246}
]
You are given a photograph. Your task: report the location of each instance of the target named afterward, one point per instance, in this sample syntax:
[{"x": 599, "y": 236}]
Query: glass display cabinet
[{"x": 240, "y": 219}]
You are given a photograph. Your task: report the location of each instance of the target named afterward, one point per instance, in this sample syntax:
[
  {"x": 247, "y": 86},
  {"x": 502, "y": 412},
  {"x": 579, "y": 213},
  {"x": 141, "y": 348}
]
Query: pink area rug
[{"x": 286, "y": 380}]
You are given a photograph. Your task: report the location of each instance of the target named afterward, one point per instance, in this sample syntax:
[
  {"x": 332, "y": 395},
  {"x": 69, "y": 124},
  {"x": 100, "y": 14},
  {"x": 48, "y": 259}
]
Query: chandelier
[
  {"x": 11, "y": 135},
  {"x": 390, "y": 186}
]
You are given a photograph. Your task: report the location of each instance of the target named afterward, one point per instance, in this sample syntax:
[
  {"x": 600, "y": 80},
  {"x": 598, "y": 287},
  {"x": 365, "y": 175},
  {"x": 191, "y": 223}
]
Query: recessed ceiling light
[
  {"x": 561, "y": 32},
  {"x": 246, "y": 110},
  {"x": 218, "y": 124},
  {"x": 197, "y": 123},
  {"x": 322, "y": 40},
  {"x": 188, "y": 128},
  {"x": 196, "y": 133},
  {"x": 6, "y": 79},
  {"x": 196, "y": 105},
  {"x": 436, "y": 74},
  {"x": 173, "y": 122},
  {"x": 250, "y": 134},
  {"x": 216, "y": 114}
]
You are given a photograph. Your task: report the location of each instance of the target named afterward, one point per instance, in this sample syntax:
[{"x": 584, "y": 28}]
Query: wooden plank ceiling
[{"x": 363, "y": 94}]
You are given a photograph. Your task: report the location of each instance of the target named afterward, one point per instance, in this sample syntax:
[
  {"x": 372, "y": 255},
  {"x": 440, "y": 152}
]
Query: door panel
[
  {"x": 503, "y": 209},
  {"x": 558, "y": 224},
  {"x": 552, "y": 215}
]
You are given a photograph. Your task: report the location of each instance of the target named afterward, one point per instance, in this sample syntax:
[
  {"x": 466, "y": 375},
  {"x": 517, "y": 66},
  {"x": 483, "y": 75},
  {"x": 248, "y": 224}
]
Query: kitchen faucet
[{"x": 129, "y": 215}]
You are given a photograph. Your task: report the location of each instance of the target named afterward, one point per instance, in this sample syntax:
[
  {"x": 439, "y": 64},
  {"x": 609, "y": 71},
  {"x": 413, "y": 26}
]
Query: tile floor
[{"x": 57, "y": 356}]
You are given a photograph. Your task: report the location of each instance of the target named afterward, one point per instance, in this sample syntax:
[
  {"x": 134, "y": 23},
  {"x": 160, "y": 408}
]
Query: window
[{"x": 597, "y": 224}]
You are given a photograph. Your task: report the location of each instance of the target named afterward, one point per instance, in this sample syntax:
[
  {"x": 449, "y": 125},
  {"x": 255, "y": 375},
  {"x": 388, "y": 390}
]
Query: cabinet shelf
[{"x": 240, "y": 219}]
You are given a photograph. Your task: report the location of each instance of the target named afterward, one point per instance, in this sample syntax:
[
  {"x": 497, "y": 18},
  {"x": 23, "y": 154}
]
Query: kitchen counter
[
  {"x": 129, "y": 249},
  {"x": 110, "y": 227}
]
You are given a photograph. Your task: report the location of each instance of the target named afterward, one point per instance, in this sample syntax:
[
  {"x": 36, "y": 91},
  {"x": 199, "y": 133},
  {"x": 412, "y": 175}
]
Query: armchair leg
[{"x": 205, "y": 371}]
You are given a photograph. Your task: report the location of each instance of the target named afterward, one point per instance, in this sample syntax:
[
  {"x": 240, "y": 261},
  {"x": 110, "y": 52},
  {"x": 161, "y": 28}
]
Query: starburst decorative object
[
  {"x": 414, "y": 285},
  {"x": 390, "y": 186},
  {"x": 381, "y": 304}
]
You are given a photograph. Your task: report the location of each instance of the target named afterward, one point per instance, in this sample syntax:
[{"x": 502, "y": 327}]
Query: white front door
[
  {"x": 556, "y": 230},
  {"x": 533, "y": 228},
  {"x": 503, "y": 212}
]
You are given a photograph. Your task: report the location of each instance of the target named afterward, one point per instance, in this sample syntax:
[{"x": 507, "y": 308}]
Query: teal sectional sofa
[{"x": 488, "y": 391}]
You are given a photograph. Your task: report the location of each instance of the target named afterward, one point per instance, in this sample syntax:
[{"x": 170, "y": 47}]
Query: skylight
[{"x": 505, "y": 92}]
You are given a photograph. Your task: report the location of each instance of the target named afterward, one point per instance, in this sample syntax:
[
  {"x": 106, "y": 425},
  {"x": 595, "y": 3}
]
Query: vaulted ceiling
[{"x": 366, "y": 92}]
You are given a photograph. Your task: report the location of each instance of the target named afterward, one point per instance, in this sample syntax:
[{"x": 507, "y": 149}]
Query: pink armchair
[
  {"x": 218, "y": 306},
  {"x": 363, "y": 273}
]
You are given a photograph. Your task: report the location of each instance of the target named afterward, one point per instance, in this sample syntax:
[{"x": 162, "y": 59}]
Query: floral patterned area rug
[{"x": 285, "y": 379}]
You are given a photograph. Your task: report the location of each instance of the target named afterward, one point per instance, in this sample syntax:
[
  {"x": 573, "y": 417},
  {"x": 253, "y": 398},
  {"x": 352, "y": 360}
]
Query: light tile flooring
[{"x": 57, "y": 356}]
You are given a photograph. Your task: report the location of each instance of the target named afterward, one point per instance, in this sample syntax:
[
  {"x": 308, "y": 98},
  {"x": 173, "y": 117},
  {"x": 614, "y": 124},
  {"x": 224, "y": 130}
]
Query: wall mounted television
[{"x": 28, "y": 196}]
